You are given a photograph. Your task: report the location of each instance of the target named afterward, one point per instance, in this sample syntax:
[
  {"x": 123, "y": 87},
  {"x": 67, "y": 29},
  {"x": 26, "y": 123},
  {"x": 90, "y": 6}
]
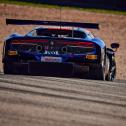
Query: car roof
[{"x": 63, "y": 28}]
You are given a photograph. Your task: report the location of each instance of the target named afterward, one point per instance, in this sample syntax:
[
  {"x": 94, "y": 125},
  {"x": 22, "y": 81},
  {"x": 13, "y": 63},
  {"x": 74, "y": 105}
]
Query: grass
[{"x": 67, "y": 7}]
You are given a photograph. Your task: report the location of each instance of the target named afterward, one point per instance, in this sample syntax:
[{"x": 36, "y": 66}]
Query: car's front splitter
[{"x": 49, "y": 69}]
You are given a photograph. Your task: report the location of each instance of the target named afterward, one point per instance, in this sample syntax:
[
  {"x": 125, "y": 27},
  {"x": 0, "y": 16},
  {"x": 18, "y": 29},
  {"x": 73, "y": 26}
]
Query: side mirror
[{"x": 115, "y": 46}]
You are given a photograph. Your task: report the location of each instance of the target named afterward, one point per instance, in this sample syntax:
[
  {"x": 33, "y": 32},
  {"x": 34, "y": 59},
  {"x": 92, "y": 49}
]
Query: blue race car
[{"x": 61, "y": 49}]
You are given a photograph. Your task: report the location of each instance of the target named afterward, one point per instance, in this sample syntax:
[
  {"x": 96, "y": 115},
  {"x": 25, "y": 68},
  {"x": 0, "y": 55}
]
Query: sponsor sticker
[{"x": 51, "y": 59}]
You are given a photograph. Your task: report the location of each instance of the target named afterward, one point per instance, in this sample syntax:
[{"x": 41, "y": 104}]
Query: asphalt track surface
[{"x": 53, "y": 101}]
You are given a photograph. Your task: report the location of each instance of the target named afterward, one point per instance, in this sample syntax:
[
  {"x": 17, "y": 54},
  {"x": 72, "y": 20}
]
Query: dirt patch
[{"x": 112, "y": 27}]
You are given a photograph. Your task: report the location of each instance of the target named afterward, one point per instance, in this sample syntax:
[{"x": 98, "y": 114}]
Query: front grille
[
  {"x": 56, "y": 49},
  {"x": 78, "y": 49},
  {"x": 28, "y": 47}
]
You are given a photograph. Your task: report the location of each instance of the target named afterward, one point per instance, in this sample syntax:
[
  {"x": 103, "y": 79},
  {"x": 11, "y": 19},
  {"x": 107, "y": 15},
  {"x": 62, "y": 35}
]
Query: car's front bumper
[{"x": 49, "y": 68}]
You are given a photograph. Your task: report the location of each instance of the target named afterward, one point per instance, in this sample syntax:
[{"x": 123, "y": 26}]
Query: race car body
[{"x": 58, "y": 51}]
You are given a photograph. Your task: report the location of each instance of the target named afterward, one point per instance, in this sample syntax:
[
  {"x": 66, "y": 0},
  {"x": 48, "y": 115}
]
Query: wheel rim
[{"x": 112, "y": 75}]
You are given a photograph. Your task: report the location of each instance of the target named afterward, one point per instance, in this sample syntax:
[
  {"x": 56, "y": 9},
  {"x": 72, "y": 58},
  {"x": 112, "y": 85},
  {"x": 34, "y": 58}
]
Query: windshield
[{"x": 57, "y": 33}]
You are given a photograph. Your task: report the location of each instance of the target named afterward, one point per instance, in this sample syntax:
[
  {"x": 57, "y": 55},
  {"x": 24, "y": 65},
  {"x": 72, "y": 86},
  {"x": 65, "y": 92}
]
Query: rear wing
[{"x": 52, "y": 23}]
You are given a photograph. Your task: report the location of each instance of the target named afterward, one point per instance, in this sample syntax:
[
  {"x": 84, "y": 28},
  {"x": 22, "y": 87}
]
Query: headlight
[
  {"x": 91, "y": 57},
  {"x": 12, "y": 53}
]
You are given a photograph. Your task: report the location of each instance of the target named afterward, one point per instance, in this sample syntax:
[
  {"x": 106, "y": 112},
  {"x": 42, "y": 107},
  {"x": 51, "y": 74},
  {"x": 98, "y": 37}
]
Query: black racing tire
[
  {"x": 7, "y": 68},
  {"x": 112, "y": 74},
  {"x": 97, "y": 72}
]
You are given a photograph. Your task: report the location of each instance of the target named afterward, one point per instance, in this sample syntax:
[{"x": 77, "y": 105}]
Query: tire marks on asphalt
[{"x": 61, "y": 101}]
